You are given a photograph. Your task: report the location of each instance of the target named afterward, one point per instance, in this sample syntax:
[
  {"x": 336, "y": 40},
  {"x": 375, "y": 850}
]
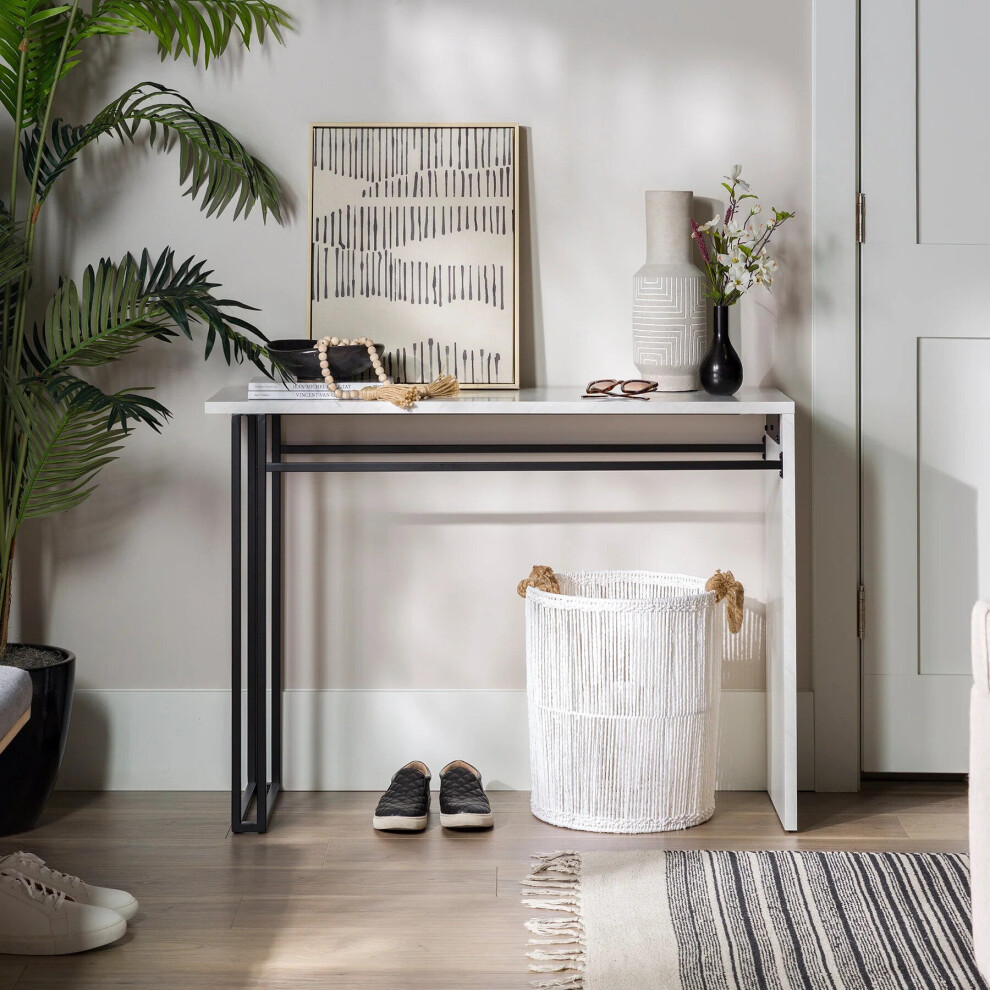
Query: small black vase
[
  {"x": 721, "y": 370},
  {"x": 29, "y": 765}
]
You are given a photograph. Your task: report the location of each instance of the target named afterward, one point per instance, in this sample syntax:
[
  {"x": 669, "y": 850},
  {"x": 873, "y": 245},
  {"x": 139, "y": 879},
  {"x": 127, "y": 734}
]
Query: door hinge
[
  {"x": 860, "y": 612},
  {"x": 860, "y": 218}
]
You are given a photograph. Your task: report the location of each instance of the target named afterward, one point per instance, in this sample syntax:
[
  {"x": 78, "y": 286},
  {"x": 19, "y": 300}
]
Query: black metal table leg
[
  {"x": 264, "y": 643},
  {"x": 253, "y": 790},
  {"x": 235, "y": 621},
  {"x": 258, "y": 647},
  {"x": 276, "y": 613}
]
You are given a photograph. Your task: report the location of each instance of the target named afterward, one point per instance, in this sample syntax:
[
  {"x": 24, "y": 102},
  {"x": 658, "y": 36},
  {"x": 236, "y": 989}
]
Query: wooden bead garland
[
  {"x": 376, "y": 363},
  {"x": 404, "y": 396}
]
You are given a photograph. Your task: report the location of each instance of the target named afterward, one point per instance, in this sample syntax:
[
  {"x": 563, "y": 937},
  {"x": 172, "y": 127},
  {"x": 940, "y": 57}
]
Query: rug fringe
[
  {"x": 554, "y": 884},
  {"x": 556, "y": 931}
]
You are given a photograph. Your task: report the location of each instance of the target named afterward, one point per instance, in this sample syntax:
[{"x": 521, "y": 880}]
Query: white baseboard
[{"x": 354, "y": 740}]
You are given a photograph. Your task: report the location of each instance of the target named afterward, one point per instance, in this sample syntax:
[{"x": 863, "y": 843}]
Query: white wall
[{"x": 409, "y": 583}]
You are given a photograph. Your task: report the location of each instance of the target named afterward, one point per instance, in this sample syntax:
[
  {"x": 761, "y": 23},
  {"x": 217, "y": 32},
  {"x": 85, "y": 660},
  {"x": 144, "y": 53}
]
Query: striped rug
[{"x": 698, "y": 920}]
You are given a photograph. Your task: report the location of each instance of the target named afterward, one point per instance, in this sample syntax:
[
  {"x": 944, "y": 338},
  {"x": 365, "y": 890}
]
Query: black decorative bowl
[{"x": 300, "y": 359}]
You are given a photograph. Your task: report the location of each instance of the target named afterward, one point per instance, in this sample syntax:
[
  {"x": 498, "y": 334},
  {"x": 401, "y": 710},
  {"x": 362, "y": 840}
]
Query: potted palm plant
[{"x": 58, "y": 430}]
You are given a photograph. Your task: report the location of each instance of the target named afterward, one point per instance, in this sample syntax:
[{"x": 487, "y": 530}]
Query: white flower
[
  {"x": 714, "y": 222},
  {"x": 737, "y": 280},
  {"x": 765, "y": 268},
  {"x": 749, "y": 236},
  {"x": 735, "y": 179},
  {"x": 734, "y": 259},
  {"x": 757, "y": 209}
]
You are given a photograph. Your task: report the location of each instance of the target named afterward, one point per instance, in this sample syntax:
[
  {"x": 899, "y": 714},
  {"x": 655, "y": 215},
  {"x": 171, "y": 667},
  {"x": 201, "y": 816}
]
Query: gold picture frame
[{"x": 414, "y": 242}]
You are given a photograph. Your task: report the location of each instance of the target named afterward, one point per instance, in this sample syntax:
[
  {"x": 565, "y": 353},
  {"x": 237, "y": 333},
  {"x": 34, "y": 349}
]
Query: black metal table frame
[{"x": 262, "y": 584}]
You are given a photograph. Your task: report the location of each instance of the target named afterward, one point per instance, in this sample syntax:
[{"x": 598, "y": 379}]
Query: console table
[{"x": 257, "y": 517}]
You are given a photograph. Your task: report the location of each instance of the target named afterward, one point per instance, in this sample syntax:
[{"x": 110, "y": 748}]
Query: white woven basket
[{"x": 623, "y": 677}]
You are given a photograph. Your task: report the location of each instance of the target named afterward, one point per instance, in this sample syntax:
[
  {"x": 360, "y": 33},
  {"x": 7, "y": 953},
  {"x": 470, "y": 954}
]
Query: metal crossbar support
[
  {"x": 772, "y": 428},
  {"x": 523, "y": 448},
  {"x": 262, "y": 518},
  {"x": 354, "y": 467}
]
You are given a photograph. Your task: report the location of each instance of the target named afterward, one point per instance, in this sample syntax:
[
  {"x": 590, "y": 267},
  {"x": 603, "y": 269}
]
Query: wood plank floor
[{"x": 324, "y": 901}]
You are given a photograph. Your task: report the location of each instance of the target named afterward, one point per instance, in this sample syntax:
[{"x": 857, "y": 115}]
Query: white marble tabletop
[{"x": 558, "y": 400}]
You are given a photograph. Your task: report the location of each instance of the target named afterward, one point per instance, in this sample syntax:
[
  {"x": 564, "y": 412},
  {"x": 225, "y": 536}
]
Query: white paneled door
[{"x": 925, "y": 375}]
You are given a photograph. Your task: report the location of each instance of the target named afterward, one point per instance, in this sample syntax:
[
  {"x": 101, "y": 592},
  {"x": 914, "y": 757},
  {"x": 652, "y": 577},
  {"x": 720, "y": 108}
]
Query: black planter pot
[
  {"x": 721, "y": 370},
  {"x": 29, "y": 765}
]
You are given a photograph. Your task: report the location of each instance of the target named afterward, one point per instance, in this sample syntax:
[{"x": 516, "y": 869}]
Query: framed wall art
[{"x": 415, "y": 243}]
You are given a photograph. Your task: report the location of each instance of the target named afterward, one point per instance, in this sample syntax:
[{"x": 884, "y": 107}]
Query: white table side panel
[{"x": 781, "y": 636}]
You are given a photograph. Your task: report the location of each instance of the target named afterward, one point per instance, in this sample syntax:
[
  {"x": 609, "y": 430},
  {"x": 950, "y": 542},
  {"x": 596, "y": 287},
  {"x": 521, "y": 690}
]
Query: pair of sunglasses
[{"x": 633, "y": 388}]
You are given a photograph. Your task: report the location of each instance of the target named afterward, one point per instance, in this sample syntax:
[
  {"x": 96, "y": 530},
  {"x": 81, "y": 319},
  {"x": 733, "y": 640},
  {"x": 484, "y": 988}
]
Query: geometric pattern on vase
[{"x": 670, "y": 326}]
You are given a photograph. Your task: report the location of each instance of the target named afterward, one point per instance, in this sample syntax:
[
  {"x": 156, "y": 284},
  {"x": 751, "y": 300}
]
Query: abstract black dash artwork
[{"x": 414, "y": 243}]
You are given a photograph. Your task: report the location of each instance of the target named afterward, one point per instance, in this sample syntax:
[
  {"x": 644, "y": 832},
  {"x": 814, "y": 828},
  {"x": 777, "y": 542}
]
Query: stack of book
[{"x": 265, "y": 388}]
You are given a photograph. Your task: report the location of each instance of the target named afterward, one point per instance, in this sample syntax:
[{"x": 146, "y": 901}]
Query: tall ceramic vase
[{"x": 670, "y": 326}]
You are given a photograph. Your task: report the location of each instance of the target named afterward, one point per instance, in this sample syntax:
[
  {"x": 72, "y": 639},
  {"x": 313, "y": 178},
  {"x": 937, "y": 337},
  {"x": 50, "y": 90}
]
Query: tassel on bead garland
[{"x": 405, "y": 396}]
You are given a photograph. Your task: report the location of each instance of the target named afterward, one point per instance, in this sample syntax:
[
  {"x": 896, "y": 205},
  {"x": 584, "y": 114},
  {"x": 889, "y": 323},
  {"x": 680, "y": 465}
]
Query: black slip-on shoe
[
  {"x": 405, "y": 806},
  {"x": 463, "y": 801}
]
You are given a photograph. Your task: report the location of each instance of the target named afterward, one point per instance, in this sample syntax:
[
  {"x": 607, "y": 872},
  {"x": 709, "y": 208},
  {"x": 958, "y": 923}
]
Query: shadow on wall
[
  {"x": 744, "y": 665},
  {"x": 88, "y": 531},
  {"x": 949, "y": 571},
  {"x": 943, "y": 546},
  {"x": 921, "y": 555},
  {"x": 88, "y": 766},
  {"x": 532, "y": 345}
]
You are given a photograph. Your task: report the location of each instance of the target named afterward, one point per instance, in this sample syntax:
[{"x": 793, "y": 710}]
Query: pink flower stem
[{"x": 700, "y": 238}]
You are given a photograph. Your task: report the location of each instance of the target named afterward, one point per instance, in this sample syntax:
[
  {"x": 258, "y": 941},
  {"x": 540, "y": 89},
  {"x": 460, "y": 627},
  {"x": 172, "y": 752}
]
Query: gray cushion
[{"x": 15, "y": 697}]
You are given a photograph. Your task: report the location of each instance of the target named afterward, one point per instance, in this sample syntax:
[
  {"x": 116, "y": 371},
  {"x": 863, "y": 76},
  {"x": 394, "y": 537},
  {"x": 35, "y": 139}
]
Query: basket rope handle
[
  {"x": 540, "y": 577},
  {"x": 724, "y": 584}
]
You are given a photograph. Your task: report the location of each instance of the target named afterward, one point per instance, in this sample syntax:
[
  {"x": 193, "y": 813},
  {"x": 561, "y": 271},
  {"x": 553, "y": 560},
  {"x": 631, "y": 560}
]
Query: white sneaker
[
  {"x": 82, "y": 893},
  {"x": 36, "y": 920}
]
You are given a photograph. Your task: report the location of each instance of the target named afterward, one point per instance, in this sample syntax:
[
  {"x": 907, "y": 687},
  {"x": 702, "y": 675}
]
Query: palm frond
[
  {"x": 37, "y": 27},
  {"x": 213, "y": 164},
  {"x": 66, "y": 445},
  {"x": 119, "y": 408},
  {"x": 191, "y": 27},
  {"x": 116, "y": 307},
  {"x": 13, "y": 253},
  {"x": 14, "y": 262}
]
